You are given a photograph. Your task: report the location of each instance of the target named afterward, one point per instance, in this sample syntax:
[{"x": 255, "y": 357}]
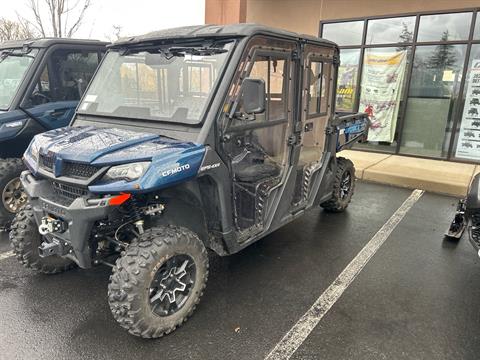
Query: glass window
[
  {"x": 347, "y": 80},
  {"x": 393, "y": 30},
  {"x": 170, "y": 85},
  {"x": 467, "y": 142},
  {"x": 383, "y": 81},
  {"x": 444, "y": 27},
  {"x": 199, "y": 79},
  {"x": 344, "y": 33},
  {"x": 273, "y": 72},
  {"x": 476, "y": 34},
  {"x": 65, "y": 77},
  {"x": 14, "y": 64},
  {"x": 317, "y": 102},
  {"x": 434, "y": 86}
]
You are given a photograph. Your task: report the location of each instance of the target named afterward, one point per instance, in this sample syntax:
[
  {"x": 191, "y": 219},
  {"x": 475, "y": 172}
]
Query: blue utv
[
  {"x": 188, "y": 139},
  {"x": 41, "y": 82}
]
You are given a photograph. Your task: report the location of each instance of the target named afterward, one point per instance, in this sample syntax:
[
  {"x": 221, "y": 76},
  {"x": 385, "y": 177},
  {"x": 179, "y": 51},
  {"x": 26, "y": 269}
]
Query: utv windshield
[
  {"x": 14, "y": 64},
  {"x": 170, "y": 84}
]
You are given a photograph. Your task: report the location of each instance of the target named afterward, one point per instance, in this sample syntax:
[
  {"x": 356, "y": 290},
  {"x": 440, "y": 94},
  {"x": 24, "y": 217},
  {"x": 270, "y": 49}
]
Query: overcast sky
[{"x": 134, "y": 16}]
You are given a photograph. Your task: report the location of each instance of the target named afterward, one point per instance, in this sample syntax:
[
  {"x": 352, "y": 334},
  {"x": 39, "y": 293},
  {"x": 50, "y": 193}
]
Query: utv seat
[{"x": 252, "y": 173}]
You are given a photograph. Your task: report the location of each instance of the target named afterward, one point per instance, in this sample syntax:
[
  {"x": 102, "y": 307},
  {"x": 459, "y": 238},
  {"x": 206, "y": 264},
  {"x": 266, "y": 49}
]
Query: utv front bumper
[{"x": 78, "y": 217}]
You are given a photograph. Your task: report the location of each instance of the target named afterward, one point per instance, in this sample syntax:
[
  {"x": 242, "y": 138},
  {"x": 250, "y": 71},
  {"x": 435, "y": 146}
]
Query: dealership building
[{"x": 413, "y": 65}]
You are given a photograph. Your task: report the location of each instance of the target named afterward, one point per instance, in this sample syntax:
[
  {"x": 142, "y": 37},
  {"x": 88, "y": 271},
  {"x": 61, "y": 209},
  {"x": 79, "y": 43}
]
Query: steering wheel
[{"x": 44, "y": 98}]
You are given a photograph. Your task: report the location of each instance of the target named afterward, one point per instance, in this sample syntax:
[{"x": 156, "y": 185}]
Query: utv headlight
[
  {"x": 34, "y": 150},
  {"x": 14, "y": 124},
  {"x": 127, "y": 172}
]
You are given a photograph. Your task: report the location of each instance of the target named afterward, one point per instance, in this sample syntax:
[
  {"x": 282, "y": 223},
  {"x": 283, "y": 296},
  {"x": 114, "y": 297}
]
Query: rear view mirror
[
  {"x": 157, "y": 60},
  {"x": 253, "y": 95}
]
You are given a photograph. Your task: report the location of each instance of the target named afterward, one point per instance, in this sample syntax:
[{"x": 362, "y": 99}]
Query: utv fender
[
  {"x": 326, "y": 180},
  {"x": 216, "y": 188},
  {"x": 473, "y": 196},
  {"x": 13, "y": 142},
  {"x": 183, "y": 207}
]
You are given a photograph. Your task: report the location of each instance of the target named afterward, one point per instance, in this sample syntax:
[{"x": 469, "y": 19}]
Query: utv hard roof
[
  {"x": 47, "y": 42},
  {"x": 215, "y": 31}
]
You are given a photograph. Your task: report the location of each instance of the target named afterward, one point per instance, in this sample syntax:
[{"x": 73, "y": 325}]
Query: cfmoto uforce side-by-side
[{"x": 196, "y": 138}]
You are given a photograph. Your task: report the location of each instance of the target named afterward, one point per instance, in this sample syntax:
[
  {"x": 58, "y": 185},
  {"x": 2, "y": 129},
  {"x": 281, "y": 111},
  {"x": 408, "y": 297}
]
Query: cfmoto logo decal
[{"x": 176, "y": 170}]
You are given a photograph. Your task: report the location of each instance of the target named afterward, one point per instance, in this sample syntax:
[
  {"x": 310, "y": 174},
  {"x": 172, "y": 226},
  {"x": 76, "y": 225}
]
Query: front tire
[
  {"x": 25, "y": 240},
  {"x": 343, "y": 187},
  {"x": 12, "y": 196},
  {"x": 158, "y": 281}
]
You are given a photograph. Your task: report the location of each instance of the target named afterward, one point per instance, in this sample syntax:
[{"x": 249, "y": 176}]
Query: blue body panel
[
  {"x": 172, "y": 161},
  {"x": 351, "y": 131},
  {"x": 13, "y": 123},
  {"x": 64, "y": 109}
]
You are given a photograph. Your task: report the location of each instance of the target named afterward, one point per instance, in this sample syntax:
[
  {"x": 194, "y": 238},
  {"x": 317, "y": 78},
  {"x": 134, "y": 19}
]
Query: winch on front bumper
[{"x": 65, "y": 217}]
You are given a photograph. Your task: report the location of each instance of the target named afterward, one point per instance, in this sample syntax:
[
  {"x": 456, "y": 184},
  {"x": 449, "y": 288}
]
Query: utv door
[
  {"x": 316, "y": 104},
  {"x": 256, "y": 146},
  {"x": 62, "y": 79}
]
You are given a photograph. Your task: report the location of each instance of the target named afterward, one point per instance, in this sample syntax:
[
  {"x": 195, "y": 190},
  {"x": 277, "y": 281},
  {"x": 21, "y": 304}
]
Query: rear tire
[
  {"x": 25, "y": 240},
  {"x": 12, "y": 197},
  {"x": 147, "y": 296},
  {"x": 343, "y": 187}
]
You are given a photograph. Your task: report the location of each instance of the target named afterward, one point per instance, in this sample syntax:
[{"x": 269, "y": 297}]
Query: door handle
[{"x": 57, "y": 112}]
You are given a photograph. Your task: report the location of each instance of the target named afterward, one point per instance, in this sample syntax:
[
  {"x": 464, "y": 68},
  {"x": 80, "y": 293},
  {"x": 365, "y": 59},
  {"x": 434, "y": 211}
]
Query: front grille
[
  {"x": 81, "y": 171},
  {"x": 47, "y": 162},
  {"x": 68, "y": 192}
]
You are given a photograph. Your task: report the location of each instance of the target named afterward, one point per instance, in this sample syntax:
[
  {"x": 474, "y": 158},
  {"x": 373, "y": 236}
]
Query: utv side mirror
[{"x": 253, "y": 96}]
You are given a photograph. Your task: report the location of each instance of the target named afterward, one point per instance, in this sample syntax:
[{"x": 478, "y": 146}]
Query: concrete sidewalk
[{"x": 444, "y": 177}]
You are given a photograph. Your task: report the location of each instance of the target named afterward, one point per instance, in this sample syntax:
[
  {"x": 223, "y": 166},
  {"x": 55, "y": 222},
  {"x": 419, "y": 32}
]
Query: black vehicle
[
  {"x": 475, "y": 101},
  {"x": 41, "y": 82},
  {"x": 476, "y": 92},
  {"x": 187, "y": 139},
  {"x": 472, "y": 112},
  {"x": 467, "y": 145},
  {"x": 468, "y": 134},
  {"x": 468, "y": 216},
  {"x": 476, "y": 123}
]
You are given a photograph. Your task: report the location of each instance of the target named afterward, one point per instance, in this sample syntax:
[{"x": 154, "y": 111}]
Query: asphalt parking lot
[{"x": 417, "y": 298}]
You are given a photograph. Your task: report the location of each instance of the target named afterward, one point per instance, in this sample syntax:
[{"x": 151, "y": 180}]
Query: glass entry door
[{"x": 432, "y": 99}]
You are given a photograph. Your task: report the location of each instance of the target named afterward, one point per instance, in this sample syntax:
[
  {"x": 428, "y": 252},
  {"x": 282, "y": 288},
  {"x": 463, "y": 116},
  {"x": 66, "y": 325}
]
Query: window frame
[
  {"x": 254, "y": 53},
  {"x": 313, "y": 58},
  {"x": 45, "y": 62}
]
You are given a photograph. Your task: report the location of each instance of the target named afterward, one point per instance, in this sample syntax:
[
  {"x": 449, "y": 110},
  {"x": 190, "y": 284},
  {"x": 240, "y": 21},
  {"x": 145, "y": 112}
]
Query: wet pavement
[{"x": 418, "y": 297}]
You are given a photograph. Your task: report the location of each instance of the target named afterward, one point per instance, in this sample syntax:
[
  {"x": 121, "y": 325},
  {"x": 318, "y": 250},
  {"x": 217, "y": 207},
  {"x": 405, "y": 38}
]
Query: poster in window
[
  {"x": 468, "y": 144},
  {"x": 347, "y": 80},
  {"x": 382, "y": 80}
]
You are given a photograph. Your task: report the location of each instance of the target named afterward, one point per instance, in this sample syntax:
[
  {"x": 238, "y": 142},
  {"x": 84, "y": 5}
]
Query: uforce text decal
[
  {"x": 209, "y": 167},
  {"x": 176, "y": 170}
]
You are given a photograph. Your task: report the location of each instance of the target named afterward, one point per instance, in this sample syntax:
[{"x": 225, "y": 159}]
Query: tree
[
  {"x": 442, "y": 59},
  {"x": 405, "y": 36},
  {"x": 116, "y": 33},
  {"x": 54, "y": 17},
  {"x": 15, "y": 30},
  {"x": 444, "y": 56}
]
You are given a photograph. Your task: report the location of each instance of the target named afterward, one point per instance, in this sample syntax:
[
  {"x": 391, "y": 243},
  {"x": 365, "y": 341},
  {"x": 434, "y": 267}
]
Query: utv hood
[{"x": 172, "y": 161}]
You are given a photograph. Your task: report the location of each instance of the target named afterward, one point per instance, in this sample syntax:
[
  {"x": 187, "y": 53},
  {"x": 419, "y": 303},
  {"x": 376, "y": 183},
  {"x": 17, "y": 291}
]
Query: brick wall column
[{"x": 223, "y": 12}]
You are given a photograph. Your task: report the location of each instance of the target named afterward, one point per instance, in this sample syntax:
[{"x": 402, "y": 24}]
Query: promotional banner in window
[
  {"x": 468, "y": 144},
  {"x": 382, "y": 80},
  {"x": 347, "y": 79}
]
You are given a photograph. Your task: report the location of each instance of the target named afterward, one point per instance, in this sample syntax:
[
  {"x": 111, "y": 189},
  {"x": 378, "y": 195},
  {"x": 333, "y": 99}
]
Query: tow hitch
[
  {"x": 50, "y": 225},
  {"x": 53, "y": 246}
]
